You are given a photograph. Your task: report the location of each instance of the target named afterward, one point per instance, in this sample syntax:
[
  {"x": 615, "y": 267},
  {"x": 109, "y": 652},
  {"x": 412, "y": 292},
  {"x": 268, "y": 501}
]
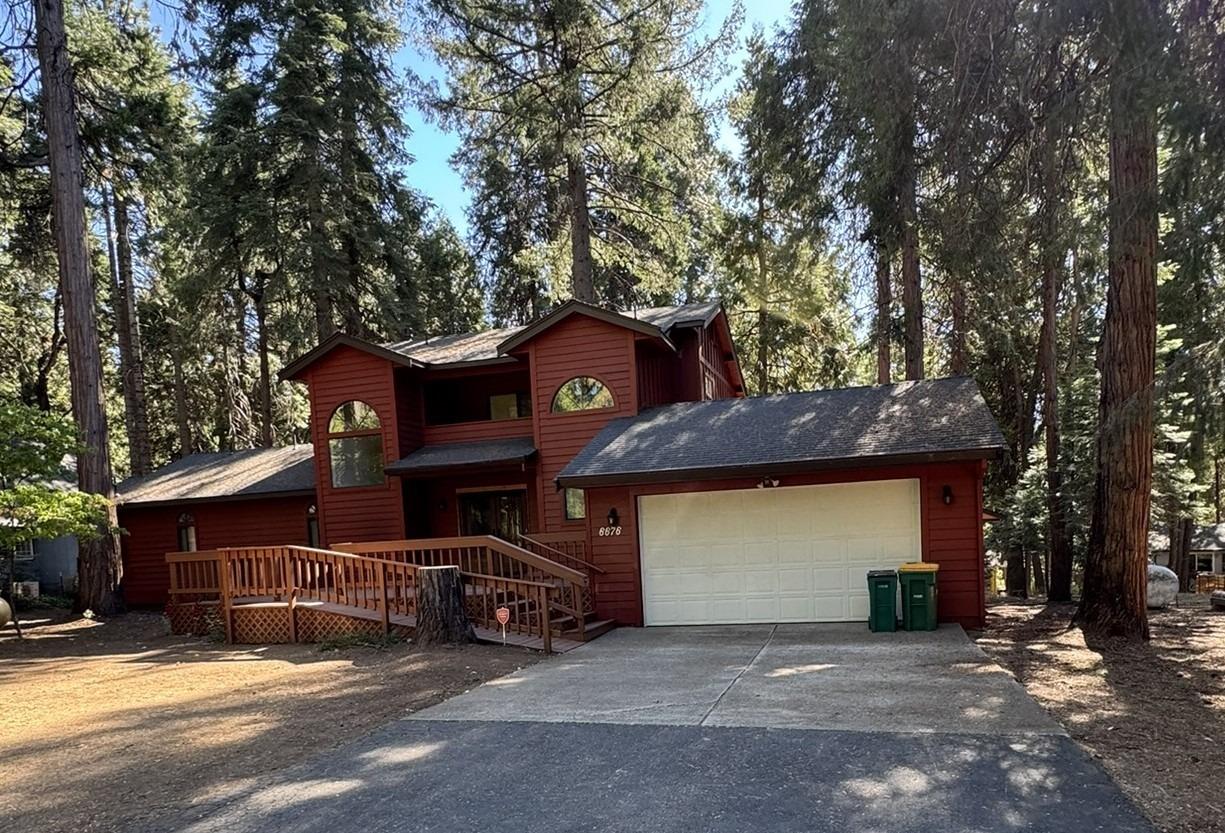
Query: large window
[
  {"x": 187, "y": 532},
  {"x": 582, "y": 393},
  {"x": 355, "y": 444}
]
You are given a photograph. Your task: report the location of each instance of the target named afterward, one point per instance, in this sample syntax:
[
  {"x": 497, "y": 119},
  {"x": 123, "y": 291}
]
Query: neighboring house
[
  {"x": 52, "y": 562},
  {"x": 625, "y": 435},
  {"x": 1207, "y": 547}
]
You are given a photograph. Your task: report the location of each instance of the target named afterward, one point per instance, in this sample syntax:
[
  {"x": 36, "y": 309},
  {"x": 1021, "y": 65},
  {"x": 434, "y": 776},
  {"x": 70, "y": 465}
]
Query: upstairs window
[
  {"x": 582, "y": 393},
  {"x": 355, "y": 445},
  {"x": 187, "y": 532}
]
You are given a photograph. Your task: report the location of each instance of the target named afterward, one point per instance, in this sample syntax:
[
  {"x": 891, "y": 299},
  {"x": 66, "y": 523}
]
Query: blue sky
[{"x": 431, "y": 171}]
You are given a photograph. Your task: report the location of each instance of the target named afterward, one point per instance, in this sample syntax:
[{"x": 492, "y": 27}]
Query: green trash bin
[
  {"x": 918, "y": 581},
  {"x": 882, "y": 600}
]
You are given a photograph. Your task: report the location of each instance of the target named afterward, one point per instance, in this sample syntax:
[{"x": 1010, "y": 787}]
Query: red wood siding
[
  {"x": 154, "y": 531},
  {"x": 715, "y": 382},
  {"x": 363, "y": 513},
  {"x": 409, "y": 415},
  {"x": 489, "y": 429},
  {"x": 952, "y": 535},
  {"x": 577, "y": 346},
  {"x": 659, "y": 376}
]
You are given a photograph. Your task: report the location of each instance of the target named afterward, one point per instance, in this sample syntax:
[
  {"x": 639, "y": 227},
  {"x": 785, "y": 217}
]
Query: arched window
[
  {"x": 187, "y": 532},
  {"x": 355, "y": 444},
  {"x": 582, "y": 393}
]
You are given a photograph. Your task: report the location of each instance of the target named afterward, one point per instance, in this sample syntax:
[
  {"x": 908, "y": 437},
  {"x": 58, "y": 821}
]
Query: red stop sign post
[{"x": 503, "y": 615}]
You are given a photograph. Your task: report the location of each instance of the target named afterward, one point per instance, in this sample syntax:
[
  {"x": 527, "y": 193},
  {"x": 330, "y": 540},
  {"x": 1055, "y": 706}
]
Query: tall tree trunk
[
  {"x": 912, "y": 290},
  {"x": 582, "y": 276},
  {"x": 1059, "y": 543},
  {"x": 131, "y": 354},
  {"x": 99, "y": 567},
  {"x": 884, "y": 315},
  {"x": 265, "y": 375},
  {"x": 1182, "y": 562},
  {"x": 1116, "y": 567},
  {"x": 958, "y": 360},
  {"x": 763, "y": 301},
  {"x": 181, "y": 412}
]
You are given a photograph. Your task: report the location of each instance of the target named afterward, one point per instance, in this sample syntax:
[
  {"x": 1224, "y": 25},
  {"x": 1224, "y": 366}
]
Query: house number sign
[{"x": 608, "y": 531}]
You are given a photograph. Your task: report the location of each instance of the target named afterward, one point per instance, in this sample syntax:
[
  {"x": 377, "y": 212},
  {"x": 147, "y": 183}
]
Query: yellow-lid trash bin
[{"x": 918, "y": 583}]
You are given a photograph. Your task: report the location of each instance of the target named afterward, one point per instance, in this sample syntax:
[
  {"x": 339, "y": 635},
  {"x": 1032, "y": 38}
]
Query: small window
[
  {"x": 576, "y": 504},
  {"x": 582, "y": 393},
  {"x": 1203, "y": 563},
  {"x": 23, "y": 551},
  {"x": 312, "y": 527},
  {"x": 187, "y": 532},
  {"x": 508, "y": 406},
  {"x": 355, "y": 445}
]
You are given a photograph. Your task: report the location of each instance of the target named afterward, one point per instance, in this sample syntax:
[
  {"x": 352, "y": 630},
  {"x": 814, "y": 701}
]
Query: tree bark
[
  {"x": 441, "y": 618},
  {"x": 1059, "y": 544},
  {"x": 265, "y": 373},
  {"x": 958, "y": 358},
  {"x": 763, "y": 301},
  {"x": 1182, "y": 562},
  {"x": 582, "y": 277},
  {"x": 99, "y": 567},
  {"x": 912, "y": 290},
  {"x": 884, "y": 316},
  {"x": 131, "y": 353},
  {"x": 181, "y": 412},
  {"x": 1116, "y": 577}
]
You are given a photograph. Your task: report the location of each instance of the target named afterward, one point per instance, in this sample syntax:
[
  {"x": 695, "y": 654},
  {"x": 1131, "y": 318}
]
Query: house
[
  {"x": 617, "y": 443},
  {"x": 50, "y": 562},
  {"x": 1207, "y": 548}
]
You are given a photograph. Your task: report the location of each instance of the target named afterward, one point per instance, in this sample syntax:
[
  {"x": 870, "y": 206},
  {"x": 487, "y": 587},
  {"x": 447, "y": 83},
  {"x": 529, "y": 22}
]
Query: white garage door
[{"x": 796, "y": 554}]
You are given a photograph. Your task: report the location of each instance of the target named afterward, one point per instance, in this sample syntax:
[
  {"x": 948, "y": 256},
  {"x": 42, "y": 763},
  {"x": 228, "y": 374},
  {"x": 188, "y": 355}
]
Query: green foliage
[{"x": 35, "y": 499}]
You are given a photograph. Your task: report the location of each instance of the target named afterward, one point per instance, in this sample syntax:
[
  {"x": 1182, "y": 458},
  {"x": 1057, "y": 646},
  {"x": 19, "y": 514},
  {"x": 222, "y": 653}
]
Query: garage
[{"x": 790, "y": 554}]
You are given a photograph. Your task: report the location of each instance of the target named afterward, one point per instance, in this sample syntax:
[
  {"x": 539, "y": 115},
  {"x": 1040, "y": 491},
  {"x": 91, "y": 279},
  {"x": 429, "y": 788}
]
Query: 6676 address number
[{"x": 608, "y": 531}]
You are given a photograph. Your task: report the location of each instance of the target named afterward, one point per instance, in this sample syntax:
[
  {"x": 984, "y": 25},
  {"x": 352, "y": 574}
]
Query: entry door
[
  {"x": 493, "y": 513},
  {"x": 795, "y": 554}
]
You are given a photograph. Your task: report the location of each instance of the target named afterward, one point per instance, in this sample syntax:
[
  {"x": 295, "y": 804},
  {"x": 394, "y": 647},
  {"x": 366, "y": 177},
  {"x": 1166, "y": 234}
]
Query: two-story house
[{"x": 622, "y": 439}]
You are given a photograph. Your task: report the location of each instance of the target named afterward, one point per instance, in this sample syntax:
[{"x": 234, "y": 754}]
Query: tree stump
[{"x": 441, "y": 618}]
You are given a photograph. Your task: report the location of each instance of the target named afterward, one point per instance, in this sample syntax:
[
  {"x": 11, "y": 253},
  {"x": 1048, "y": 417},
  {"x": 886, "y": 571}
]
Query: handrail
[
  {"x": 553, "y": 551},
  {"x": 493, "y": 542}
]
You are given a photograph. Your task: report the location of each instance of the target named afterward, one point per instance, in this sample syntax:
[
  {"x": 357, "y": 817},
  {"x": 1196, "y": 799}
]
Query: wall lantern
[
  {"x": 613, "y": 518},
  {"x": 767, "y": 483},
  {"x": 947, "y": 495}
]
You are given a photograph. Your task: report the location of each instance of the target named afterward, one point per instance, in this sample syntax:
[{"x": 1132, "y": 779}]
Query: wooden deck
[{"x": 293, "y": 593}]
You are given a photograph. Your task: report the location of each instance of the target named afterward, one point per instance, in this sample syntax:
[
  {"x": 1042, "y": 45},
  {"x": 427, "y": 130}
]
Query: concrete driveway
[
  {"x": 788, "y": 729},
  {"x": 786, "y": 676}
]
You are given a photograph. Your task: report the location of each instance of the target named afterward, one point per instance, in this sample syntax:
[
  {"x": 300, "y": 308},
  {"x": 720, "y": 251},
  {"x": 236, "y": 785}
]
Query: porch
[{"x": 306, "y": 594}]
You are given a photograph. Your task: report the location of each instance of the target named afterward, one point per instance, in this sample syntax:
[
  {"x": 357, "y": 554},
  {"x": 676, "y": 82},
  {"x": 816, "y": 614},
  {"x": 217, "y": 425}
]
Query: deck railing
[
  {"x": 382, "y": 585},
  {"x": 489, "y": 555},
  {"x": 1207, "y": 582}
]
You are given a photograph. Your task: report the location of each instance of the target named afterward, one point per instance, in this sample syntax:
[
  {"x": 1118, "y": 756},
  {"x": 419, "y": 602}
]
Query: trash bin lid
[
  {"x": 882, "y": 573},
  {"x": 918, "y": 567}
]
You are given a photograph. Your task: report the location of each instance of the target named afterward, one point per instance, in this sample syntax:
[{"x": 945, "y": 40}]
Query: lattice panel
[
  {"x": 261, "y": 625},
  {"x": 318, "y": 625},
  {"x": 194, "y": 618}
]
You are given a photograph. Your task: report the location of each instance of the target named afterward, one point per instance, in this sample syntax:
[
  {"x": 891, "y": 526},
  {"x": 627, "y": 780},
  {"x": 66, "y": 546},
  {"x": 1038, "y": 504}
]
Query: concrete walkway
[{"x": 787, "y": 676}]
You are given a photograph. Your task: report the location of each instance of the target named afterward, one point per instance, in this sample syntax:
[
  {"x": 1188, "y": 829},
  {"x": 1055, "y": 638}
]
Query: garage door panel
[{"x": 773, "y": 555}]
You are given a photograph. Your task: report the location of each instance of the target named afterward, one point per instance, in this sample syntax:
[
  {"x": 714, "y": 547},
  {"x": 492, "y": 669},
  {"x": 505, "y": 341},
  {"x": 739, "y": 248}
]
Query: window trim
[
  {"x": 376, "y": 431},
  {"x": 187, "y": 538},
  {"x": 553, "y": 401},
  {"x": 24, "y": 550}
]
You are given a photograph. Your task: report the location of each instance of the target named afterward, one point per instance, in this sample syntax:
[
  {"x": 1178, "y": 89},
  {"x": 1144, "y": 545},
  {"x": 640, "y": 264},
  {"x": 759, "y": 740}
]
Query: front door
[{"x": 493, "y": 513}]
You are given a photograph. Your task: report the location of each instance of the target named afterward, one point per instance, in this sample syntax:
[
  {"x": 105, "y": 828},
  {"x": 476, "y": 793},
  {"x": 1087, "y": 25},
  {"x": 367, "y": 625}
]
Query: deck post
[
  {"x": 546, "y": 629},
  {"x": 223, "y": 581},
  {"x": 384, "y": 612},
  {"x": 291, "y": 593}
]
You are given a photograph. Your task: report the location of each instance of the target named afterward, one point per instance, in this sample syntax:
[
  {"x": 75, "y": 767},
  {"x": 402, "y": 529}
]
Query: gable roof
[
  {"x": 933, "y": 419},
  {"x": 1207, "y": 538},
  {"x": 217, "y": 475},
  {"x": 491, "y": 346}
]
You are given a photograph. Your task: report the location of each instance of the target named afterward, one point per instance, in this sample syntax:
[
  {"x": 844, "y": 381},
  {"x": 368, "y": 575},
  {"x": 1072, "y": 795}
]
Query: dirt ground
[
  {"x": 1153, "y": 714},
  {"x": 104, "y": 726}
]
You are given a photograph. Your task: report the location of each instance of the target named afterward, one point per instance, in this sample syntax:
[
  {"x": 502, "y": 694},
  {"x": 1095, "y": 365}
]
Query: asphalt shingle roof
[
  {"x": 1209, "y": 538},
  {"x": 483, "y": 346},
  {"x": 936, "y": 417},
  {"x": 220, "y": 474},
  {"x": 445, "y": 455}
]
